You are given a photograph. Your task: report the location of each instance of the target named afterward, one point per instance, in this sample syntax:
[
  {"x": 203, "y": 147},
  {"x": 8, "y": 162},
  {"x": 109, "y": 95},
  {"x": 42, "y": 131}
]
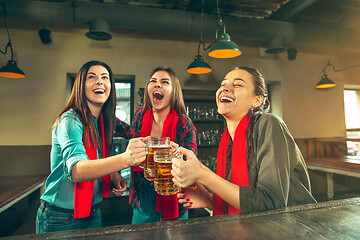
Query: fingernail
[
  {"x": 190, "y": 203},
  {"x": 188, "y": 199},
  {"x": 184, "y": 195}
]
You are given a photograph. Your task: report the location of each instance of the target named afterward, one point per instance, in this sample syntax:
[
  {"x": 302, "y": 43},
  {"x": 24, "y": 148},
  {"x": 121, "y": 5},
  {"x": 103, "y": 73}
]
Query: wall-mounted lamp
[
  {"x": 45, "y": 36},
  {"x": 11, "y": 69},
  {"x": 325, "y": 82},
  {"x": 222, "y": 47},
  {"x": 99, "y": 30}
]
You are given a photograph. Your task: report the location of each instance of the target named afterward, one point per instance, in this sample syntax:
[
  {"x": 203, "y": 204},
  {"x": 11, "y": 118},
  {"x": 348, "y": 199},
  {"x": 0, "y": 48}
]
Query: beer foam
[{"x": 159, "y": 146}]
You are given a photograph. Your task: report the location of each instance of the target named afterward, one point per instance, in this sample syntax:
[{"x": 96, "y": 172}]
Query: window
[
  {"x": 352, "y": 112},
  {"x": 352, "y": 120}
]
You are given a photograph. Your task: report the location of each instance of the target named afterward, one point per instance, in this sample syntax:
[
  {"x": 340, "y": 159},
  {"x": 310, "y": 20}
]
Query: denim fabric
[
  {"x": 49, "y": 219},
  {"x": 146, "y": 212},
  {"x": 140, "y": 216}
]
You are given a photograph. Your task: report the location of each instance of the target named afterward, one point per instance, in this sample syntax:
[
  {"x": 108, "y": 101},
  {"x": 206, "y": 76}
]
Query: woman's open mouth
[
  {"x": 157, "y": 96},
  {"x": 99, "y": 91},
  {"x": 226, "y": 99}
]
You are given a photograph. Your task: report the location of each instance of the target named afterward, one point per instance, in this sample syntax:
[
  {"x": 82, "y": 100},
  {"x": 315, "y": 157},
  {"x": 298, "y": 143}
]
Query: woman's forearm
[
  {"x": 87, "y": 170},
  {"x": 226, "y": 190}
]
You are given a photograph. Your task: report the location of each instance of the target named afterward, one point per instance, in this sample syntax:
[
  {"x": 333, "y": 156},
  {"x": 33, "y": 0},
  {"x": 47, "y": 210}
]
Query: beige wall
[{"x": 28, "y": 106}]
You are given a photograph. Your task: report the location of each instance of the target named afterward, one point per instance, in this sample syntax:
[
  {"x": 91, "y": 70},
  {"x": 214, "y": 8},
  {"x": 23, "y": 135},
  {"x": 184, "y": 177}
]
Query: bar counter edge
[{"x": 274, "y": 224}]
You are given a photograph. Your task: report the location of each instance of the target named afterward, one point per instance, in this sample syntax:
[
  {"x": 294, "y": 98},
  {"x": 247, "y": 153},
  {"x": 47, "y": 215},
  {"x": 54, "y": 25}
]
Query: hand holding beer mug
[
  {"x": 161, "y": 144},
  {"x": 163, "y": 178}
]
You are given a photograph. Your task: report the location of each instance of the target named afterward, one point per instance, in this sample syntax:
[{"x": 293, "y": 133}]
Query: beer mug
[
  {"x": 154, "y": 143},
  {"x": 163, "y": 178}
]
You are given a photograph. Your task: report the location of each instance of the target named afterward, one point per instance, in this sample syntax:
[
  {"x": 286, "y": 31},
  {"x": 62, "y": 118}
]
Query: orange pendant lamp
[{"x": 11, "y": 70}]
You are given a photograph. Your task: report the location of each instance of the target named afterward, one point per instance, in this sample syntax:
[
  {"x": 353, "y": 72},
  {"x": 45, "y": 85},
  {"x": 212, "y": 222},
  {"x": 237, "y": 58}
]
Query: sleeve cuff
[{"x": 70, "y": 163}]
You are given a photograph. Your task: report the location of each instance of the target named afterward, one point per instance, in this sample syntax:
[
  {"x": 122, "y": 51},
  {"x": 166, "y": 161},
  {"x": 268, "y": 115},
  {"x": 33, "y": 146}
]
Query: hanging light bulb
[
  {"x": 11, "y": 69},
  {"x": 325, "y": 82},
  {"x": 199, "y": 66},
  {"x": 223, "y": 47}
]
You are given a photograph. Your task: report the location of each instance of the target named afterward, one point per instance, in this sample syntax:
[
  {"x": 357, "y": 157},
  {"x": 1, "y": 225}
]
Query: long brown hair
[
  {"x": 78, "y": 103},
  {"x": 177, "y": 99}
]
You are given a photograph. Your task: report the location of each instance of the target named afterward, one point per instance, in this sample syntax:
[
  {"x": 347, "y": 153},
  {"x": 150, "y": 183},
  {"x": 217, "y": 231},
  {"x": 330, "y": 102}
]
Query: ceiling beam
[
  {"x": 196, "y": 6},
  {"x": 291, "y": 9}
]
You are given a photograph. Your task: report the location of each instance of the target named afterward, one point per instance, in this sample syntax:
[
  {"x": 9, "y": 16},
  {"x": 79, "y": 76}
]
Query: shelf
[{"x": 195, "y": 95}]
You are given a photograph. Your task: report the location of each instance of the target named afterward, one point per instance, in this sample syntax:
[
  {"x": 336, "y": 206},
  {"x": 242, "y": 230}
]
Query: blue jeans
[
  {"x": 52, "y": 219},
  {"x": 141, "y": 216},
  {"x": 146, "y": 212}
]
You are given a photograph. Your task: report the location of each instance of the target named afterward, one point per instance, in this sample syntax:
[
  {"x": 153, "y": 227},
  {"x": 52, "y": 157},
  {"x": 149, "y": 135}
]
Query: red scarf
[
  {"x": 239, "y": 169},
  {"x": 84, "y": 190},
  {"x": 168, "y": 205}
]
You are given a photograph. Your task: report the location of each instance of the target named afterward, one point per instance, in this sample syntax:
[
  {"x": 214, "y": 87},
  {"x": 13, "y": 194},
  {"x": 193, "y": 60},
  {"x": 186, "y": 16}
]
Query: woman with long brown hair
[
  {"x": 83, "y": 131},
  {"x": 163, "y": 115},
  {"x": 259, "y": 166}
]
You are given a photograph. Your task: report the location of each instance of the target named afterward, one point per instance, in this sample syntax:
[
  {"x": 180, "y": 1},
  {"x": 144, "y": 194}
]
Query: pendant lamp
[
  {"x": 199, "y": 66},
  {"x": 223, "y": 46},
  {"x": 325, "y": 82},
  {"x": 11, "y": 70}
]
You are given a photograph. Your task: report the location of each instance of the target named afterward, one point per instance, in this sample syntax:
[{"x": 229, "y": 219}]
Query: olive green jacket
[{"x": 278, "y": 175}]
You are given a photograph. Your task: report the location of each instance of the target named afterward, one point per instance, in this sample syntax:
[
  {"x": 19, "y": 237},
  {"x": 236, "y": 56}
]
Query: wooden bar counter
[
  {"x": 337, "y": 219},
  {"x": 13, "y": 189}
]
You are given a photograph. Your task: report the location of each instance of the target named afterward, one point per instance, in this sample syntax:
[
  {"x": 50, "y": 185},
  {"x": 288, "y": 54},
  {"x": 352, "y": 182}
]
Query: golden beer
[
  {"x": 152, "y": 144},
  {"x": 149, "y": 172},
  {"x": 163, "y": 178}
]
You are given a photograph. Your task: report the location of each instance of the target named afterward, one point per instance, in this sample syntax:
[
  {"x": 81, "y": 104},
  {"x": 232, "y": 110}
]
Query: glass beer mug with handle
[
  {"x": 163, "y": 178},
  {"x": 154, "y": 143}
]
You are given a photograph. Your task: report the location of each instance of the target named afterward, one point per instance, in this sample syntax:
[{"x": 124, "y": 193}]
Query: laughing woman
[
  {"x": 163, "y": 115},
  {"x": 259, "y": 166},
  {"x": 83, "y": 131}
]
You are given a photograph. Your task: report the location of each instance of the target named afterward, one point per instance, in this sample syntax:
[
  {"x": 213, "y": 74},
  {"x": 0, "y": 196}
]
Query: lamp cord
[
  {"x": 8, "y": 45},
  {"x": 220, "y": 23},
  {"x": 201, "y": 28},
  {"x": 333, "y": 67}
]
